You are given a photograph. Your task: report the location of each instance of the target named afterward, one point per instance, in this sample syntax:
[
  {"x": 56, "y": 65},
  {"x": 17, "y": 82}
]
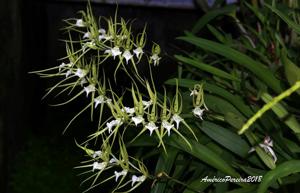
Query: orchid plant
[{"x": 92, "y": 47}]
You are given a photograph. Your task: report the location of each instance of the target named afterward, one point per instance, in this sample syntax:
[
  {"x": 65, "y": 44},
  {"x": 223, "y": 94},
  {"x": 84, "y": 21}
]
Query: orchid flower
[
  {"x": 113, "y": 161},
  {"x": 138, "y": 51},
  {"x": 147, "y": 104},
  {"x": 267, "y": 146},
  {"x": 86, "y": 35},
  {"x": 113, "y": 123},
  {"x": 80, "y": 23},
  {"x": 177, "y": 119},
  {"x": 115, "y": 52},
  {"x": 68, "y": 73},
  {"x": 99, "y": 166},
  {"x": 168, "y": 126},
  {"x": 99, "y": 100},
  {"x": 127, "y": 55},
  {"x": 155, "y": 58},
  {"x": 83, "y": 81},
  {"x": 81, "y": 73},
  {"x": 135, "y": 179},
  {"x": 198, "y": 112},
  {"x": 88, "y": 89},
  {"x": 122, "y": 173},
  {"x": 137, "y": 120},
  {"x": 151, "y": 127},
  {"x": 128, "y": 110},
  {"x": 97, "y": 154}
]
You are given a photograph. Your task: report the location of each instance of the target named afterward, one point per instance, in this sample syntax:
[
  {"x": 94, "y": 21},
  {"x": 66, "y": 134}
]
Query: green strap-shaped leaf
[
  {"x": 203, "y": 153},
  {"x": 292, "y": 71},
  {"x": 282, "y": 170},
  {"x": 255, "y": 67},
  {"x": 205, "y": 67}
]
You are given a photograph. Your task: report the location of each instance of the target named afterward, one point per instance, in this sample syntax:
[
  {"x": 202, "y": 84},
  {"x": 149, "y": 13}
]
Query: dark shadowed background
[{"x": 34, "y": 156}]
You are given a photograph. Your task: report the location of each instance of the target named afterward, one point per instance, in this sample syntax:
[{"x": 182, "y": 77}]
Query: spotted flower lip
[
  {"x": 99, "y": 166},
  {"x": 168, "y": 126},
  {"x": 177, "y": 119},
  {"x": 81, "y": 73},
  {"x": 86, "y": 35},
  {"x": 138, "y": 51},
  {"x": 137, "y": 120},
  {"x": 97, "y": 154},
  {"x": 127, "y": 55},
  {"x": 80, "y": 23},
  {"x": 135, "y": 179},
  {"x": 122, "y": 173},
  {"x": 99, "y": 100},
  {"x": 155, "y": 58},
  {"x": 113, "y": 123},
  {"x": 88, "y": 89},
  {"x": 151, "y": 127},
  {"x": 198, "y": 112}
]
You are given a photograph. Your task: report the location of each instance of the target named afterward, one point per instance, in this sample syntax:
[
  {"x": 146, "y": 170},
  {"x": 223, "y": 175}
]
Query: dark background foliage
[{"x": 34, "y": 156}]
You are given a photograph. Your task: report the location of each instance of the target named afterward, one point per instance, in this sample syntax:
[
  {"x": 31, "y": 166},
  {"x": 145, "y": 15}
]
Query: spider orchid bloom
[
  {"x": 155, "y": 58},
  {"x": 81, "y": 73},
  {"x": 99, "y": 100},
  {"x": 135, "y": 179},
  {"x": 86, "y": 35},
  {"x": 113, "y": 161},
  {"x": 97, "y": 154},
  {"x": 99, "y": 166},
  {"x": 128, "y": 110},
  {"x": 151, "y": 127},
  {"x": 83, "y": 81},
  {"x": 122, "y": 173},
  {"x": 267, "y": 146},
  {"x": 137, "y": 120},
  {"x": 147, "y": 104},
  {"x": 115, "y": 52},
  {"x": 68, "y": 73},
  {"x": 63, "y": 65},
  {"x": 198, "y": 112},
  {"x": 127, "y": 55},
  {"x": 102, "y": 31},
  {"x": 88, "y": 89},
  {"x": 79, "y": 23},
  {"x": 194, "y": 92},
  {"x": 113, "y": 123},
  {"x": 165, "y": 124},
  {"x": 177, "y": 119},
  {"x": 138, "y": 51}
]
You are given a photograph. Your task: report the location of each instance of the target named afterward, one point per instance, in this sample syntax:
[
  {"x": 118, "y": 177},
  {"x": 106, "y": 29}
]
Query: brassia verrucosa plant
[{"x": 232, "y": 111}]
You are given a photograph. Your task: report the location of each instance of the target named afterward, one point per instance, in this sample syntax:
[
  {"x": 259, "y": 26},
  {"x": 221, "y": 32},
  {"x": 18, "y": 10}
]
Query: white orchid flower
[
  {"x": 135, "y": 179},
  {"x": 177, "y": 119},
  {"x": 115, "y": 52},
  {"x": 127, "y": 55},
  {"x": 155, "y": 58},
  {"x": 63, "y": 65},
  {"x": 113, "y": 161},
  {"x": 86, "y": 35},
  {"x": 80, "y": 23},
  {"x": 83, "y": 81},
  {"x": 122, "y": 173},
  {"x": 68, "y": 73},
  {"x": 267, "y": 146},
  {"x": 97, "y": 154},
  {"x": 147, "y": 104},
  {"x": 128, "y": 110},
  {"x": 198, "y": 112},
  {"x": 138, "y": 51},
  {"x": 151, "y": 127},
  {"x": 99, "y": 100},
  {"x": 168, "y": 126},
  {"x": 81, "y": 73},
  {"x": 102, "y": 31},
  {"x": 113, "y": 123},
  {"x": 99, "y": 166},
  {"x": 137, "y": 120},
  {"x": 88, "y": 89},
  {"x": 194, "y": 92}
]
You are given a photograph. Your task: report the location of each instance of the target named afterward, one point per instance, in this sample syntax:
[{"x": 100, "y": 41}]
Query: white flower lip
[
  {"x": 81, "y": 73},
  {"x": 155, "y": 59},
  {"x": 118, "y": 174},
  {"x": 151, "y": 127},
  {"x": 86, "y": 35},
  {"x": 135, "y": 179},
  {"x": 113, "y": 161},
  {"x": 137, "y": 120},
  {"x": 168, "y": 126},
  {"x": 127, "y": 55},
  {"x": 90, "y": 88},
  {"x": 128, "y": 110},
  {"x": 147, "y": 104},
  {"x": 113, "y": 123},
  {"x": 194, "y": 92},
  {"x": 115, "y": 52},
  {"x": 138, "y": 51},
  {"x": 198, "y": 112},
  {"x": 99, "y": 100},
  {"x": 68, "y": 73},
  {"x": 102, "y": 31},
  {"x": 177, "y": 119},
  {"x": 97, "y": 154},
  {"x": 99, "y": 166},
  {"x": 80, "y": 23}
]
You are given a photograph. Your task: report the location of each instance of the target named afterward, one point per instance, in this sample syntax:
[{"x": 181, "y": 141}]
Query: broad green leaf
[
  {"x": 282, "y": 170},
  {"x": 257, "y": 68},
  {"x": 285, "y": 18},
  {"x": 226, "y": 138},
  {"x": 205, "y": 67},
  {"x": 210, "y": 16},
  {"x": 203, "y": 153},
  {"x": 197, "y": 185},
  {"x": 292, "y": 71}
]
